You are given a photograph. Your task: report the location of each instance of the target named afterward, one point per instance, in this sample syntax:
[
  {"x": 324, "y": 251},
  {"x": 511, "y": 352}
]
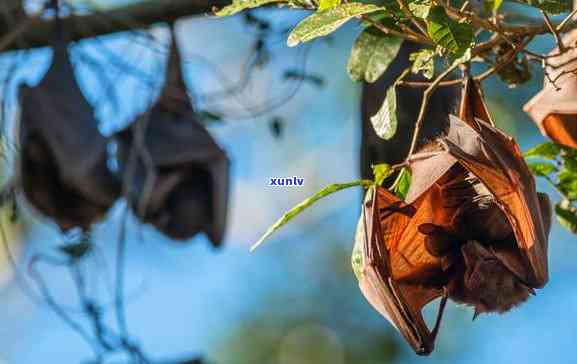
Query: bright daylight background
[{"x": 295, "y": 300}]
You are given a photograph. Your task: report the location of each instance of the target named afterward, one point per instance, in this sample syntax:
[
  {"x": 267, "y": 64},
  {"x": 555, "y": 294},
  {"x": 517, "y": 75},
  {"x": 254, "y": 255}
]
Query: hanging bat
[
  {"x": 63, "y": 169},
  {"x": 554, "y": 109},
  {"x": 178, "y": 178},
  {"x": 439, "y": 243}
]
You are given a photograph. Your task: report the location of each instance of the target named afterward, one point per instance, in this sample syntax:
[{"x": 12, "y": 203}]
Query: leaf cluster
[{"x": 557, "y": 164}]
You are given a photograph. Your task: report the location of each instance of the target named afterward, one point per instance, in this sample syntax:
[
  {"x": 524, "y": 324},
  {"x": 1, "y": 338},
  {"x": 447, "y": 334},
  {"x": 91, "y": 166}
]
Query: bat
[
  {"x": 177, "y": 176},
  {"x": 554, "y": 108},
  {"x": 472, "y": 229},
  {"x": 62, "y": 162}
]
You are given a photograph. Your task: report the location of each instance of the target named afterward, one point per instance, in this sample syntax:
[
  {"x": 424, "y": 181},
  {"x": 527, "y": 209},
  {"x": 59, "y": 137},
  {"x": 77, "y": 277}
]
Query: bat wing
[
  {"x": 500, "y": 166},
  {"x": 388, "y": 220},
  {"x": 473, "y": 104},
  {"x": 429, "y": 166}
]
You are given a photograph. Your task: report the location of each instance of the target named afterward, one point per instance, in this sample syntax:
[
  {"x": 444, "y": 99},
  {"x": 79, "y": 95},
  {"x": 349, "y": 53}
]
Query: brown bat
[
  {"x": 177, "y": 176},
  {"x": 472, "y": 229},
  {"x": 63, "y": 157},
  {"x": 554, "y": 109}
]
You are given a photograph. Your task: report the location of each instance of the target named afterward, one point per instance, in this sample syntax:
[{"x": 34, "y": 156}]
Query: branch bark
[{"x": 38, "y": 32}]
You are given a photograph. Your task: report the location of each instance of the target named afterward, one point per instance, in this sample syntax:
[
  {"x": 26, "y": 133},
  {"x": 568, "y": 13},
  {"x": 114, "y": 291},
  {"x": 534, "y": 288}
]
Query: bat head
[{"x": 486, "y": 283}]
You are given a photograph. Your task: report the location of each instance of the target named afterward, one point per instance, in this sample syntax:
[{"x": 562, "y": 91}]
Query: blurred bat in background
[
  {"x": 176, "y": 176},
  {"x": 63, "y": 157}
]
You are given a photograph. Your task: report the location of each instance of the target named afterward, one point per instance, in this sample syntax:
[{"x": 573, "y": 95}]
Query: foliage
[
  {"x": 372, "y": 54},
  {"x": 385, "y": 120},
  {"x": 557, "y": 164},
  {"x": 324, "y": 22},
  {"x": 453, "y": 36},
  {"x": 567, "y": 215},
  {"x": 381, "y": 172},
  {"x": 423, "y": 62},
  {"x": 292, "y": 213},
  {"x": 402, "y": 184},
  {"x": 240, "y": 5},
  {"x": 328, "y": 4}
]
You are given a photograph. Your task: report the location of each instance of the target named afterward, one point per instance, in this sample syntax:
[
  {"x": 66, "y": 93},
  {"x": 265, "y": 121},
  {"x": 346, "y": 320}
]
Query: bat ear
[
  {"x": 179, "y": 181},
  {"x": 554, "y": 108},
  {"x": 63, "y": 157}
]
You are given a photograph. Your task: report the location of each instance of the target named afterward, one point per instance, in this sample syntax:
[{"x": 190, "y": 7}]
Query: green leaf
[
  {"x": 357, "y": 256},
  {"x": 381, "y": 172},
  {"x": 385, "y": 120},
  {"x": 545, "y": 150},
  {"x": 402, "y": 184},
  {"x": 372, "y": 54},
  {"x": 288, "y": 216},
  {"x": 240, "y": 5},
  {"x": 568, "y": 184},
  {"x": 550, "y": 6},
  {"x": 569, "y": 158},
  {"x": 424, "y": 62},
  {"x": 541, "y": 168},
  {"x": 567, "y": 215},
  {"x": 327, "y": 21},
  {"x": 449, "y": 34},
  {"x": 328, "y": 4},
  {"x": 420, "y": 8},
  {"x": 492, "y": 5}
]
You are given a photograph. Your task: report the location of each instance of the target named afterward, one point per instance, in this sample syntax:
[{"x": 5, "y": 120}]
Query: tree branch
[{"x": 38, "y": 32}]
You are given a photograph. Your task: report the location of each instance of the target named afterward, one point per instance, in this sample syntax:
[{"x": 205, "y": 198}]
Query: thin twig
[
  {"x": 564, "y": 22},
  {"x": 7, "y": 39},
  {"x": 553, "y": 31},
  {"x": 426, "y": 95},
  {"x": 428, "y": 83},
  {"x": 411, "y": 17},
  {"x": 500, "y": 66},
  {"x": 56, "y": 308},
  {"x": 411, "y": 37},
  {"x": 120, "y": 262}
]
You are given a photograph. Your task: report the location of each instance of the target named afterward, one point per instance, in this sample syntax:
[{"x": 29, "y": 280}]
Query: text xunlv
[{"x": 286, "y": 181}]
